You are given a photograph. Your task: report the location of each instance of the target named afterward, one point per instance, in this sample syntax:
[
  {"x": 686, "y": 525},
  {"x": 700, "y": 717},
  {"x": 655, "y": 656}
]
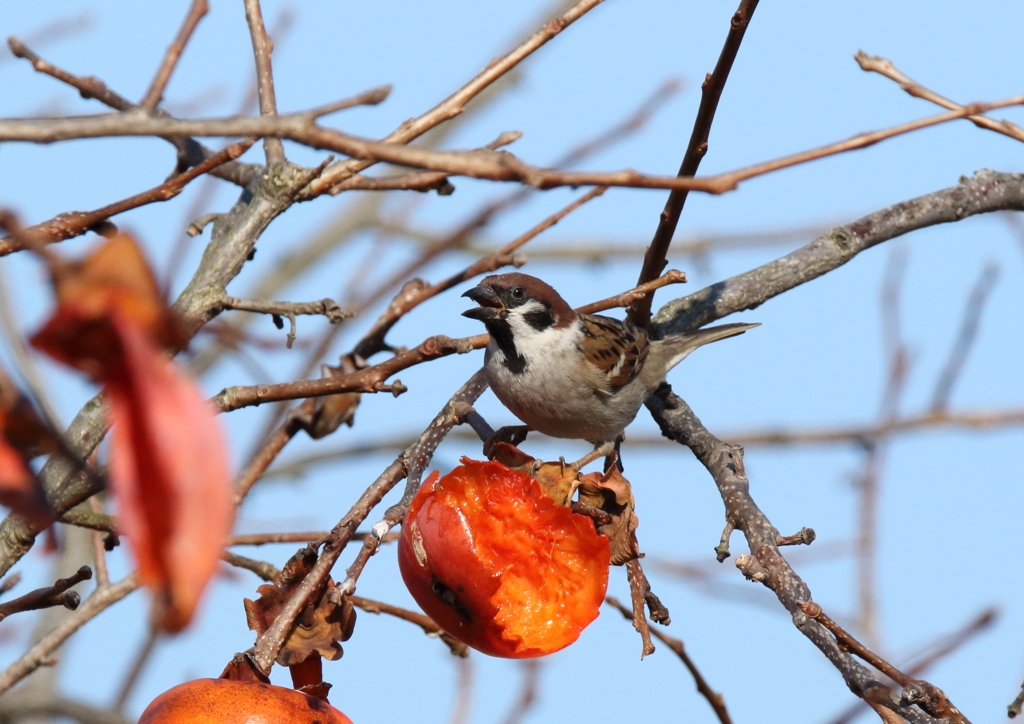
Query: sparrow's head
[{"x": 518, "y": 300}]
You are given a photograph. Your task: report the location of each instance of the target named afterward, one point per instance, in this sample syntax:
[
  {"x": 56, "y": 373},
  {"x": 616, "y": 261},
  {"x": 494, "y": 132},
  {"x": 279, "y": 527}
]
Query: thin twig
[
  {"x": 454, "y": 104},
  {"x": 766, "y": 564},
  {"x": 156, "y": 89},
  {"x": 636, "y": 294},
  {"x": 262, "y": 47},
  {"x": 409, "y": 298},
  {"x": 100, "y": 600},
  {"x": 699, "y": 246},
  {"x": 875, "y": 451},
  {"x": 655, "y": 258},
  {"x": 804, "y": 537},
  {"x": 940, "y": 650},
  {"x": 411, "y": 465},
  {"x": 494, "y": 166},
  {"x": 269, "y": 451},
  {"x": 1015, "y": 706},
  {"x": 818, "y": 436},
  {"x": 59, "y": 594},
  {"x": 716, "y": 700},
  {"x": 269, "y": 644},
  {"x": 929, "y": 697},
  {"x": 883, "y": 66},
  {"x": 527, "y": 698},
  {"x": 138, "y": 665},
  {"x": 189, "y": 150},
  {"x": 75, "y": 223},
  {"x": 424, "y": 622},
  {"x": 57, "y": 30},
  {"x": 259, "y": 539},
  {"x": 26, "y": 705},
  {"x": 368, "y": 380},
  {"x": 965, "y": 338},
  {"x": 324, "y": 307},
  {"x": 99, "y": 547},
  {"x": 463, "y": 708},
  {"x": 9, "y": 582},
  {"x": 22, "y": 356},
  {"x": 264, "y": 570}
]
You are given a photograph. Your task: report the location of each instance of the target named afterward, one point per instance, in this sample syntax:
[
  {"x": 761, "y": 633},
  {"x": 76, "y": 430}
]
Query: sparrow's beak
[{"x": 490, "y": 307}]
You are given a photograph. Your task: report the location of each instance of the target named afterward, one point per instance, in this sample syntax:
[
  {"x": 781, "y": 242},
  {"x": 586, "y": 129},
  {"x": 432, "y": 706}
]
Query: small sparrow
[{"x": 569, "y": 375}]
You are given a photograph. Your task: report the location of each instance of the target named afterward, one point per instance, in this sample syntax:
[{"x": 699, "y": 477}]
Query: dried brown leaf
[
  {"x": 612, "y": 493},
  {"x": 319, "y": 628}
]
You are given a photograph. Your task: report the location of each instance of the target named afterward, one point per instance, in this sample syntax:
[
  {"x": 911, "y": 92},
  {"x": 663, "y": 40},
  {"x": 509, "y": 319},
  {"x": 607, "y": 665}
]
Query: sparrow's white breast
[{"x": 558, "y": 391}]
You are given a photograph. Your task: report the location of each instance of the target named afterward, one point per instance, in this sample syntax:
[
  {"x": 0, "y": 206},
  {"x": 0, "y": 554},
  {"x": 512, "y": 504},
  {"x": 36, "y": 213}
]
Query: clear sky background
[{"x": 950, "y": 504}]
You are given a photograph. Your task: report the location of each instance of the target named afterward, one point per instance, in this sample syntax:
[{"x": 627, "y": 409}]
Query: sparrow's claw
[
  {"x": 512, "y": 434},
  {"x": 606, "y": 448}
]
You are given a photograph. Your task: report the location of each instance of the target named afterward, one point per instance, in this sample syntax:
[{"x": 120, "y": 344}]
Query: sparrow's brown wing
[{"x": 615, "y": 347}]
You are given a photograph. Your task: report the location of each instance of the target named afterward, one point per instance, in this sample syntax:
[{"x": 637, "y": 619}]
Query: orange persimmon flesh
[
  {"x": 499, "y": 565},
  {"x": 223, "y": 701}
]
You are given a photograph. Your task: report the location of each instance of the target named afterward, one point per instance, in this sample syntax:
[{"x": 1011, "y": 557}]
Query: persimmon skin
[
  {"x": 499, "y": 565},
  {"x": 223, "y": 701}
]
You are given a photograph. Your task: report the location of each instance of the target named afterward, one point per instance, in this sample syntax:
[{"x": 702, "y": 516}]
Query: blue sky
[{"x": 950, "y": 502}]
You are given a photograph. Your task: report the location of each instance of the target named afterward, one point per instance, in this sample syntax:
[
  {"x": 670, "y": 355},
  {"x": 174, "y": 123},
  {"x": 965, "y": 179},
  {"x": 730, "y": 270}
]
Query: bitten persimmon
[
  {"x": 498, "y": 564},
  {"x": 222, "y": 701}
]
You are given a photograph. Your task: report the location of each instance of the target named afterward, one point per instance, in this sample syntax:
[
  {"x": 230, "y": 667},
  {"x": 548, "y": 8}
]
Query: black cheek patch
[{"x": 540, "y": 319}]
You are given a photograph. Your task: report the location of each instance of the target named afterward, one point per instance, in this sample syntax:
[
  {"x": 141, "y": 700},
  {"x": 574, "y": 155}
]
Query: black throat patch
[{"x": 502, "y": 336}]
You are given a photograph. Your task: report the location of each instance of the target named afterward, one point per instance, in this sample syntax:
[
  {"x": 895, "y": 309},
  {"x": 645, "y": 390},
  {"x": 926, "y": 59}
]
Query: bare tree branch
[
  {"x": 985, "y": 192},
  {"x": 325, "y": 307},
  {"x": 528, "y": 693},
  {"x": 766, "y": 564},
  {"x": 424, "y": 622},
  {"x": 882, "y": 66},
  {"x": 22, "y": 705},
  {"x": 189, "y": 150},
  {"x": 156, "y": 89},
  {"x": 965, "y": 339},
  {"x": 75, "y": 223},
  {"x": 495, "y": 166},
  {"x": 455, "y": 104},
  {"x": 942, "y": 648},
  {"x": 262, "y": 47},
  {"x": 716, "y": 700},
  {"x": 101, "y": 599},
  {"x": 711, "y": 92},
  {"x": 927, "y": 696},
  {"x": 59, "y": 594}
]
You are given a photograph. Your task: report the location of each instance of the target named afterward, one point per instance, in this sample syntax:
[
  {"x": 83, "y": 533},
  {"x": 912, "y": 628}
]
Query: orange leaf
[{"x": 168, "y": 469}]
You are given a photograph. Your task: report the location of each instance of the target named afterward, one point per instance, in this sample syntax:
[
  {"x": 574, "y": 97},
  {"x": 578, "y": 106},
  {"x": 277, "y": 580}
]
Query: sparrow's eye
[{"x": 518, "y": 293}]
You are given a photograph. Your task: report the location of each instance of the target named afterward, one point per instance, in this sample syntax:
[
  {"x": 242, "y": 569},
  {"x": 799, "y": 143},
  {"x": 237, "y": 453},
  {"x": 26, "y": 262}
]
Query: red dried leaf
[
  {"x": 19, "y": 489},
  {"x": 168, "y": 465},
  {"x": 169, "y": 471},
  {"x": 22, "y": 436}
]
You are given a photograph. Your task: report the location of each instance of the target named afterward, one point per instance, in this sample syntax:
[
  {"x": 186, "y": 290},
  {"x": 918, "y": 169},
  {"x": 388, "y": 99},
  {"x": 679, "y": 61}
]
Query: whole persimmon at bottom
[{"x": 222, "y": 701}]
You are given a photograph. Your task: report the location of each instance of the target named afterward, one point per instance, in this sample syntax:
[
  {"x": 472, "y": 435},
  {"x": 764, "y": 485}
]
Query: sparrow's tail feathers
[{"x": 679, "y": 346}]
